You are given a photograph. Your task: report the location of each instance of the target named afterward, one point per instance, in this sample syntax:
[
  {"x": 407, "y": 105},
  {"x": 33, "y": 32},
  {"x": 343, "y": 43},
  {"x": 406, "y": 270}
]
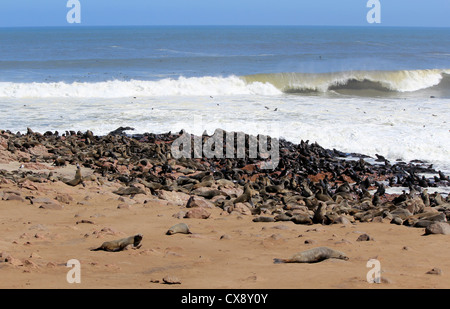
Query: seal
[
  {"x": 301, "y": 219},
  {"x": 319, "y": 213},
  {"x": 121, "y": 244},
  {"x": 129, "y": 191},
  {"x": 246, "y": 196},
  {"x": 210, "y": 193},
  {"x": 313, "y": 255},
  {"x": 263, "y": 219},
  {"x": 179, "y": 228},
  {"x": 77, "y": 179}
]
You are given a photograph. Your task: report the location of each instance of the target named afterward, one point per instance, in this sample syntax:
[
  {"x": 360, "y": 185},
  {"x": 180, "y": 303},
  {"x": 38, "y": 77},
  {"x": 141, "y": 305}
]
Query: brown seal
[
  {"x": 179, "y": 228},
  {"x": 77, "y": 180},
  {"x": 121, "y": 244},
  {"x": 129, "y": 191},
  {"x": 246, "y": 196},
  {"x": 313, "y": 256}
]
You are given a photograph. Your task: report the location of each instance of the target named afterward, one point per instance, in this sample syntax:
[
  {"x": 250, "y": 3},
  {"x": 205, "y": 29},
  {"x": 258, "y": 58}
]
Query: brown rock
[
  {"x": 30, "y": 263},
  {"x": 13, "y": 197},
  {"x": 64, "y": 198},
  {"x": 52, "y": 206},
  {"x": 438, "y": 228},
  {"x": 27, "y": 184},
  {"x": 198, "y": 201},
  {"x": 39, "y": 150},
  {"x": 123, "y": 206},
  {"x": 179, "y": 214},
  {"x": 12, "y": 260},
  {"x": 275, "y": 237},
  {"x": 171, "y": 280},
  {"x": 435, "y": 271},
  {"x": 249, "y": 167},
  {"x": 38, "y": 235},
  {"x": 85, "y": 221},
  {"x": 343, "y": 241},
  {"x": 178, "y": 198},
  {"x": 280, "y": 227},
  {"x": 34, "y": 255},
  {"x": 232, "y": 191},
  {"x": 44, "y": 200},
  {"x": 378, "y": 219},
  {"x": 197, "y": 213},
  {"x": 364, "y": 237},
  {"x": 242, "y": 209},
  {"x": 122, "y": 169}
]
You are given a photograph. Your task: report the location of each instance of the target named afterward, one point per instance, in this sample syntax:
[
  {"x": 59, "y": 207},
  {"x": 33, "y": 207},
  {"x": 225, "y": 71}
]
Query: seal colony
[
  {"x": 83, "y": 191},
  {"x": 310, "y": 185}
]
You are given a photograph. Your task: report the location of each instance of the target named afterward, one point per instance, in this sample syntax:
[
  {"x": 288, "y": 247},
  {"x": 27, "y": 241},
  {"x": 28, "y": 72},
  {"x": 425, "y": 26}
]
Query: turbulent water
[
  {"x": 358, "y": 83},
  {"x": 368, "y": 90}
]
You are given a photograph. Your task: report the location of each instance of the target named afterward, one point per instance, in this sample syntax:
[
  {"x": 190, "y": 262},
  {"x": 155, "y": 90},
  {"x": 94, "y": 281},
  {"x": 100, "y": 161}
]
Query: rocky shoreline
[{"x": 310, "y": 185}]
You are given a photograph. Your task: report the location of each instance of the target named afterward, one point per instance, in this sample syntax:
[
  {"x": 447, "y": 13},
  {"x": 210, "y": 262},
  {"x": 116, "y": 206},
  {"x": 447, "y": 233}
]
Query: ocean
[{"x": 369, "y": 90}]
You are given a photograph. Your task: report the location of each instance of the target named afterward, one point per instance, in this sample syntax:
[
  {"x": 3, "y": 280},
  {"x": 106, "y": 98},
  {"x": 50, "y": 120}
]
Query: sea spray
[{"x": 257, "y": 84}]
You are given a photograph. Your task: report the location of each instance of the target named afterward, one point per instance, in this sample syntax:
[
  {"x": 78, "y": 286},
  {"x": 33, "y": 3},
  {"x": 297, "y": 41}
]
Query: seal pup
[
  {"x": 319, "y": 213},
  {"x": 121, "y": 244},
  {"x": 179, "y": 228},
  {"x": 313, "y": 255}
]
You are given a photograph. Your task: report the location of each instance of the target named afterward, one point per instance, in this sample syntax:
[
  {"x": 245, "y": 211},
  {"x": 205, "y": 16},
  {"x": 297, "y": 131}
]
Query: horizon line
[{"x": 221, "y": 25}]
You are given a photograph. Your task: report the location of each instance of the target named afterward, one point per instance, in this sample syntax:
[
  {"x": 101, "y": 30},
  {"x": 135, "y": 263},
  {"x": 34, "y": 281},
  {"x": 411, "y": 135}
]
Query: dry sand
[{"x": 225, "y": 251}]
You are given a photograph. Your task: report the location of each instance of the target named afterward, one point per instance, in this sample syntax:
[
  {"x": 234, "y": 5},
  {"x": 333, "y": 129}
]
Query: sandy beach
[
  {"x": 220, "y": 152},
  {"x": 45, "y": 223}
]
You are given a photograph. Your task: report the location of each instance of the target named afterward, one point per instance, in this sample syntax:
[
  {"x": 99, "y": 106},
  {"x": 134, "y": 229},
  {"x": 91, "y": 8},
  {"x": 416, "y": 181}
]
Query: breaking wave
[
  {"x": 257, "y": 84},
  {"x": 385, "y": 81}
]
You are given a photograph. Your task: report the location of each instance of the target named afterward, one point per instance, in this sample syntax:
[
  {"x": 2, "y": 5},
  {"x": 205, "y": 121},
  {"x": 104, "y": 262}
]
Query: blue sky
[{"x": 429, "y": 13}]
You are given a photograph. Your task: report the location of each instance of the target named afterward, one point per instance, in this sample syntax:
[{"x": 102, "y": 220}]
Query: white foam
[
  {"x": 193, "y": 86},
  {"x": 392, "y": 127},
  {"x": 259, "y": 84},
  {"x": 408, "y": 81}
]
